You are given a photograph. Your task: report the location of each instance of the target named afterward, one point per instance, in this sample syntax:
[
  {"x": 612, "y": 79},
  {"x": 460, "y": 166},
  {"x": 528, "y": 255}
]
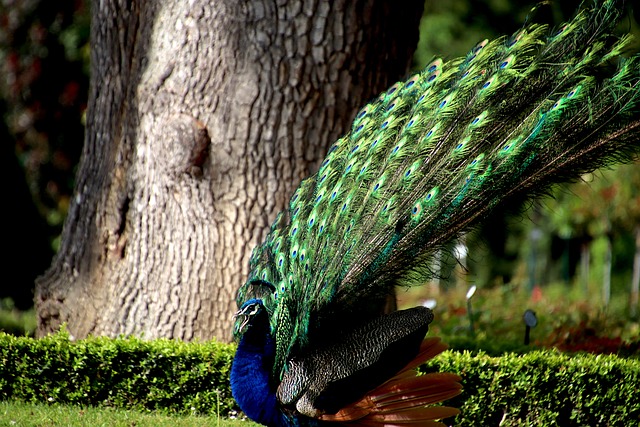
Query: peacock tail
[{"x": 430, "y": 158}]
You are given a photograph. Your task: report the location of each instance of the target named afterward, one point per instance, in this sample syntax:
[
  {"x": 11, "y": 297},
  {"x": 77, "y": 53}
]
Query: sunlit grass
[{"x": 39, "y": 415}]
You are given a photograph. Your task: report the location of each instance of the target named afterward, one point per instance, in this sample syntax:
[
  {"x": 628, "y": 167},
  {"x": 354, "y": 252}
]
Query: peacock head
[{"x": 252, "y": 317}]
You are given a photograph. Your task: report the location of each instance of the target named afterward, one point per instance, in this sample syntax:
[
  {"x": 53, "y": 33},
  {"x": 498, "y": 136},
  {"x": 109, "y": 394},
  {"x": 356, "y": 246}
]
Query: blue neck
[{"x": 251, "y": 385}]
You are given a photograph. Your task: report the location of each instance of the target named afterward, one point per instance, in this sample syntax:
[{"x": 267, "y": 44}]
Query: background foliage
[
  {"x": 44, "y": 64},
  {"x": 562, "y": 247}
]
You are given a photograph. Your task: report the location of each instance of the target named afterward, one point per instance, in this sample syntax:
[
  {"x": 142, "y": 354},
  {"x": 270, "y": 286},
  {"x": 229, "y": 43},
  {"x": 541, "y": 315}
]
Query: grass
[{"x": 18, "y": 414}]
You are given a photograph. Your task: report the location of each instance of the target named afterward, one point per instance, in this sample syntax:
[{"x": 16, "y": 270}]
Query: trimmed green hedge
[
  {"x": 170, "y": 376},
  {"x": 544, "y": 388},
  {"x": 541, "y": 388}
]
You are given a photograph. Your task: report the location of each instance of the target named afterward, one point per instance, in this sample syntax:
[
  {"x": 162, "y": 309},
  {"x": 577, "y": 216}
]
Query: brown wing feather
[{"x": 403, "y": 399}]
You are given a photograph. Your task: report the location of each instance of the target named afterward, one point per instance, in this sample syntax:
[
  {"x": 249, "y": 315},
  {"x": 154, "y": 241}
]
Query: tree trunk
[{"x": 203, "y": 117}]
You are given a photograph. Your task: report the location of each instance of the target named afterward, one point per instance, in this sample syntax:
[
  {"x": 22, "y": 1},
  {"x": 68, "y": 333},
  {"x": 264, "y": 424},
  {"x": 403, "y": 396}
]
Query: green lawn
[{"x": 18, "y": 414}]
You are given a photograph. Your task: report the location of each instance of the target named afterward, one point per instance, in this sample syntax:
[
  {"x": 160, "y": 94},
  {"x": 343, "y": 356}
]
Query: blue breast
[{"x": 251, "y": 384}]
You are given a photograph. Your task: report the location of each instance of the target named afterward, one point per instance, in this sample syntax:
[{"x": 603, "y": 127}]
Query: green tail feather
[{"x": 432, "y": 156}]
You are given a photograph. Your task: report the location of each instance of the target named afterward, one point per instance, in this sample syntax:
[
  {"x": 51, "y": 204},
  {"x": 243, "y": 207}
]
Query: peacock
[{"x": 319, "y": 337}]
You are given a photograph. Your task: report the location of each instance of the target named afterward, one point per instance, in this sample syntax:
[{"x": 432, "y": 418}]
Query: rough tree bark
[{"x": 203, "y": 117}]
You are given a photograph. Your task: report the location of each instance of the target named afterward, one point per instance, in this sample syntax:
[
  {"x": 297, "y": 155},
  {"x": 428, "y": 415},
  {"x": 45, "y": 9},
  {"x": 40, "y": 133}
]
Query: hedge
[
  {"x": 540, "y": 388},
  {"x": 544, "y": 388},
  {"x": 165, "y": 375}
]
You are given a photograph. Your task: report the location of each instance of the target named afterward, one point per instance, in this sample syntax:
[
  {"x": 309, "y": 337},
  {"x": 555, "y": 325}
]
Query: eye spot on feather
[
  {"x": 427, "y": 92},
  {"x": 515, "y": 39},
  {"x": 392, "y": 89},
  {"x": 411, "y": 169},
  {"x": 416, "y": 211},
  {"x": 475, "y": 162},
  {"x": 378, "y": 185},
  {"x": 557, "y": 104},
  {"x": 507, "y": 62},
  {"x": 362, "y": 113},
  {"x": 479, "y": 119},
  {"x": 574, "y": 92},
  {"x": 477, "y": 48},
  {"x": 431, "y": 195}
]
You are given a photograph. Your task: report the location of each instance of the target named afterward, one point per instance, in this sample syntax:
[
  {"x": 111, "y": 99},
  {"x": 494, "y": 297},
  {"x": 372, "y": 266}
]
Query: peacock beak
[
  {"x": 246, "y": 313},
  {"x": 239, "y": 328}
]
